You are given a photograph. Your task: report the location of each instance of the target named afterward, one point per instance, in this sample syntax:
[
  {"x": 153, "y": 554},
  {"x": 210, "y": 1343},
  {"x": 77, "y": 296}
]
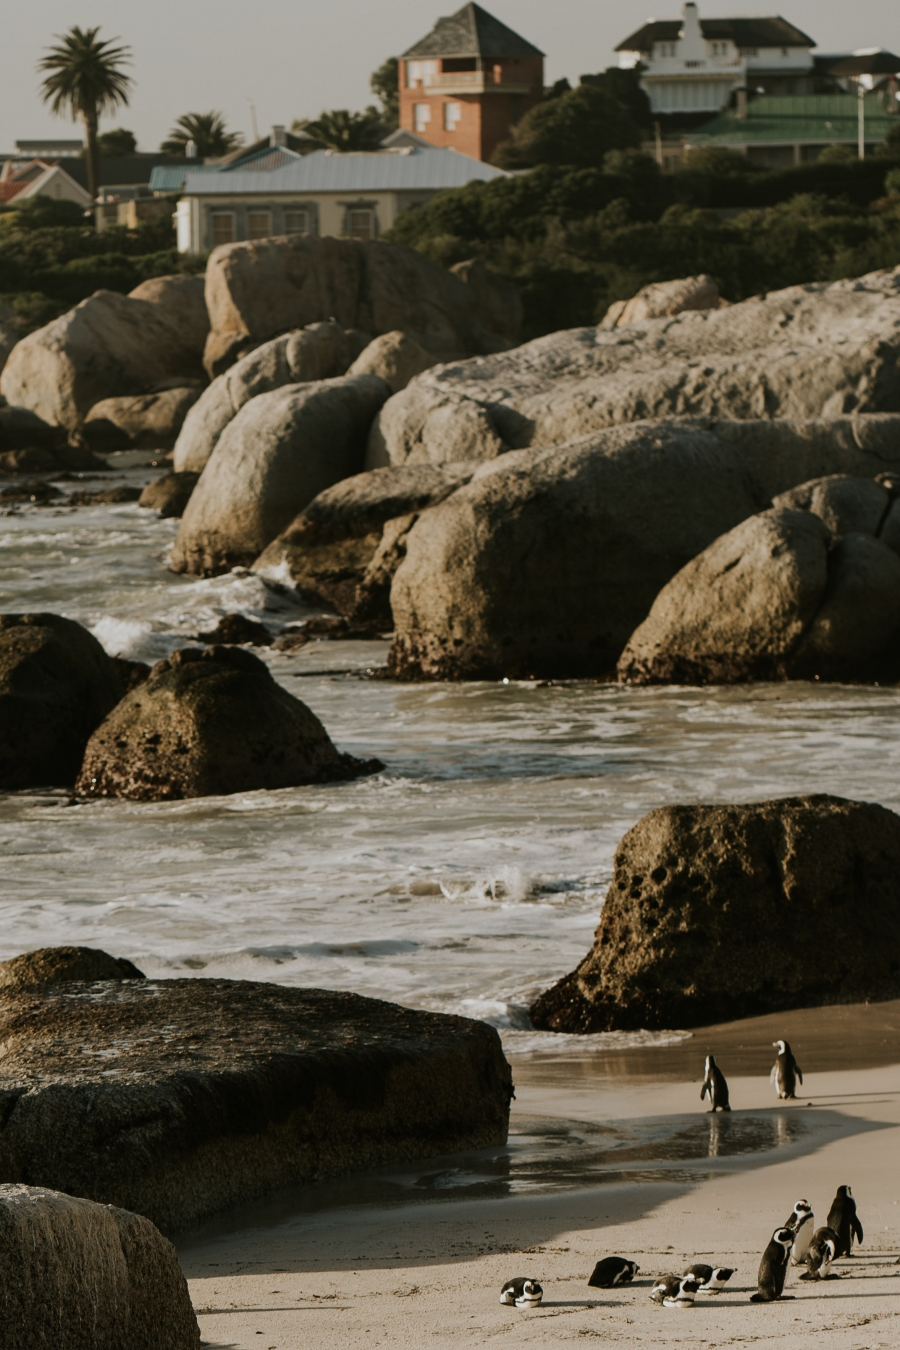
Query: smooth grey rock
[
  {"x": 813, "y": 351},
  {"x": 847, "y": 505},
  {"x": 182, "y": 300},
  {"x": 395, "y": 357},
  {"x": 858, "y": 623},
  {"x": 278, "y": 453},
  {"x": 320, "y": 351},
  {"x": 83, "y": 1276},
  {"x": 786, "y": 452},
  {"x": 545, "y": 563},
  {"x": 498, "y": 302},
  {"x": 140, "y": 421},
  {"x": 179, "y": 1099},
  {"x": 664, "y": 299},
  {"x": 328, "y": 549},
  {"x": 56, "y": 684}
]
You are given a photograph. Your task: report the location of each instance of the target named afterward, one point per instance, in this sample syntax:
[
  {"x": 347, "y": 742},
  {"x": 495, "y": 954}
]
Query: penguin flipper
[
  {"x": 707, "y": 1087},
  {"x": 857, "y": 1228},
  {"x": 799, "y": 1072},
  {"x": 774, "y": 1073}
]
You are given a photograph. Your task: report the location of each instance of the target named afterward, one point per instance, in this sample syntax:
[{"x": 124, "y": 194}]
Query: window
[
  {"x": 296, "y": 222},
  {"x": 666, "y": 48},
  {"x": 452, "y": 116},
  {"x": 361, "y": 223},
  {"x": 221, "y": 227},
  {"x": 455, "y": 63},
  {"x": 749, "y": 51},
  {"x": 421, "y": 117},
  {"x": 420, "y": 72},
  {"x": 259, "y": 224}
]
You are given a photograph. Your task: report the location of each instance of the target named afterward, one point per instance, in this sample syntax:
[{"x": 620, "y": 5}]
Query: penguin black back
[
  {"x": 711, "y": 1279},
  {"x": 773, "y": 1267},
  {"x": 613, "y": 1270},
  {"x": 521, "y": 1292},
  {"x": 822, "y": 1251},
  {"x": 714, "y": 1083},
  {"x": 786, "y": 1072},
  {"x": 843, "y": 1219}
]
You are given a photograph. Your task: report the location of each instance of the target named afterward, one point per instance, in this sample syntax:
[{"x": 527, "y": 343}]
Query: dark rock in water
[
  {"x": 81, "y": 1275},
  {"x": 237, "y": 628},
  {"x": 21, "y": 429},
  {"x": 329, "y": 547},
  {"x": 56, "y": 685},
  {"x": 180, "y": 1098},
  {"x": 170, "y": 494},
  {"x": 333, "y": 627},
  {"x": 721, "y": 912},
  {"x": 130, "y": 673},
  {"x": 31, "y": 459},
  {"x": 39, "y": 493},
  {"x": 104, "y": 496},
  {"x": 210, "y": 722},
  {"x": 53, "y": 965}
]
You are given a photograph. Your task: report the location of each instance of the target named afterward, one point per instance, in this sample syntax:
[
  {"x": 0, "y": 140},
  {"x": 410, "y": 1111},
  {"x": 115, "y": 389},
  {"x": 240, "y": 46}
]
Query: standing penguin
[
  {"x": 786, "y": 1072},
  {"x": 714, "y": 1083},
  {"x": 822, "y": 1251},
  {"x": 803, "y": 1225},
  {"x": 773, "y": 1267},
  {"x": 842, "y": 1218}
]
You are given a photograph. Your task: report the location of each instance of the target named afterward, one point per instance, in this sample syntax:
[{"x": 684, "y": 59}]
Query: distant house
[
  {"x": 467, "y": 83},
  {"x": 357, "y": 195},
  {"x": 37, "y": 178},
  {"x": 779, "y": 132},
  {"x": 694, "y": 65}
]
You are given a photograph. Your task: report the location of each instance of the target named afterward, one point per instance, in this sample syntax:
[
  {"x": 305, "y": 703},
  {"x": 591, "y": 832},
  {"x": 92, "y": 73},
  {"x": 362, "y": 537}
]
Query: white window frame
[
  {"x": 421, "y": 117},
  {"x": 452, "y": 115}
]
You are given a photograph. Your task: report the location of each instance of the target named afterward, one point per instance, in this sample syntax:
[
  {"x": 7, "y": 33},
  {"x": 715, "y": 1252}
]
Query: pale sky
[{"x": 293, "y": 58}]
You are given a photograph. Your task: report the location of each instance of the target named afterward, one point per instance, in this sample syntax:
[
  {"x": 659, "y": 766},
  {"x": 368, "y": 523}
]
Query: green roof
[{"x": 816, "y": 117}]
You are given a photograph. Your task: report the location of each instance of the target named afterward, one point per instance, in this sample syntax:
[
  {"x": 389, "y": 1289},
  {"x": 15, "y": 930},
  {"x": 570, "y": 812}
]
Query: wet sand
[{"x": 670, "y": 1184}]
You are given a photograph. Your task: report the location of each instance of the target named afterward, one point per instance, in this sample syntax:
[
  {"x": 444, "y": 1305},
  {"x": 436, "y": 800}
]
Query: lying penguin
[
  {"x": 675, "y": 1291},
  {"x": 786, "y": 1072},
  {"x": 712, "y": 1279},
  {"x": 842, "y": 1219},
  {"x": 714, "y": 1083},
  {"x": 803, "y": 1225},
  {"x": 521, "y": 1293},
  {"x": 613, "y": 1270},
  {"x": 822, "y": 1251},
  {"x": 773, "y": 1267}
]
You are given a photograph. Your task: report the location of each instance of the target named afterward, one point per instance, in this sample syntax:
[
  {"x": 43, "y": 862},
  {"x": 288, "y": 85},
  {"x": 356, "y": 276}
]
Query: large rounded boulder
[
  {"x": 141, "y": 421},
  {"x": 207, "y": 722},
  {"x": 721, "y": 912},
  {"x": 280, "y": 452},
  {"x": 546, "y": 561},
  {"x": 61, "y": 965},
  {"x": 56, "y": 685}
]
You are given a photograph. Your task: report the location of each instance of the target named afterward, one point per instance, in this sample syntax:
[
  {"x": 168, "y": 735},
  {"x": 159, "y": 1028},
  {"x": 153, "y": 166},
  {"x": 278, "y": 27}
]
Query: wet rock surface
[
  {"x": 207, "y": 722},
  {"x": 237, "y": 628},
  {"x": 54, "y": 965},
  {"x": 169, "y": 494},
  {"x": 721, "y": 912},
  {"x": 56, "y": 685},
  {"x": 141, "y": 421},
  {"x": 80, "y": 1274},
  {"x": 197, "y": 1095}
]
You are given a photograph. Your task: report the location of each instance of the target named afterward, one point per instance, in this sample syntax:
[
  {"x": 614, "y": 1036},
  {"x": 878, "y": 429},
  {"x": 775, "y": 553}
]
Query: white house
[
  {"x": 358, "y": 194},
  {"x": 693, "y": 65},
  {"x": 39, "y": 179}
]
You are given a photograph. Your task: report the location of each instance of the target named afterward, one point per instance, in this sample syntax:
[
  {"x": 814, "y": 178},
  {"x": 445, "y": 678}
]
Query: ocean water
[{"x": 465, "y": 877}]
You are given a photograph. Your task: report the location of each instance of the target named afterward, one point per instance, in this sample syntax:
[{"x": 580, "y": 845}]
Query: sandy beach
[{"x": 664, "y": 1183}]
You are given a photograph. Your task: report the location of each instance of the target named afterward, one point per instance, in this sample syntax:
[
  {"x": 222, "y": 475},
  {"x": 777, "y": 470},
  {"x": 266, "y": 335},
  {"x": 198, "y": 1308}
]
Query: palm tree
[
  {"x": 342, "y": 130},
  {"x": 207, "y": 131},
  {"x": 85, "y": 79}
]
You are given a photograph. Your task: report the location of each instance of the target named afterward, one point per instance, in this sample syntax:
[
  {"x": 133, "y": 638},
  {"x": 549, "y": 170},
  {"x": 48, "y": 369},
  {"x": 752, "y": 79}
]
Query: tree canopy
[
  {"x": 208, "y": 133},
  {"x": 117, "y": 142},
  {"x": 85, "y": 78},
  {"x": 385, "y": 85},
  {"x": 576, "y": 127},
  {"x": 342, "y": 130}
]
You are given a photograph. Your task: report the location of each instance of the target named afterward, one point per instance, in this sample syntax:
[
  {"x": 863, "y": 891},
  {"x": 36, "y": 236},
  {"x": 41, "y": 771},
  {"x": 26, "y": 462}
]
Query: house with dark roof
[
  {"x": 694, "y": 66},
  {"x": 468, "y": 81}
]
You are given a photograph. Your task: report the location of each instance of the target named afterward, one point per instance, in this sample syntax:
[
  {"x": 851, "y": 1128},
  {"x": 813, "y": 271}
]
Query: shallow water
[{"x": 466, "y": 877}]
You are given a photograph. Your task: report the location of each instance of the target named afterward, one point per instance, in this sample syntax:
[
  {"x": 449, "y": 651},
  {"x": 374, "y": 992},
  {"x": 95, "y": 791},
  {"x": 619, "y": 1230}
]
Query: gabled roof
[
  {"x": 362, "y": 171},
  {"x": 261, "y": 158},
  {"x": 769, "y": 32},
  {"x": 471, "y": 31}
]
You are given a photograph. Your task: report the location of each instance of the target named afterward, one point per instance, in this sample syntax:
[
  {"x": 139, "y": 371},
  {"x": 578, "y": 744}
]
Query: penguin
[
  {"x": 613, "y": 1270},
  {"x": 773, "y": 1267},
  {"x": 786, "y": 1072},
  {"x": 822, "y": 1251},
  {"x": 803, "y": 1225},
  {"x": 714, "y": 1083},
  {"x": 521, "y": 1293},
  {"x": 843, "y": 1220},
  {"x": 712, "y": 1279},
  {"x": 675, "y": 1291}
]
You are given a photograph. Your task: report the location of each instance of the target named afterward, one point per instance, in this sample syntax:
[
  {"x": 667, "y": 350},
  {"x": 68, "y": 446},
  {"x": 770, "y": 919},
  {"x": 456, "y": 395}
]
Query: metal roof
[
  {"x": 817, "y": 118},
  {"x": 261, "y": 159},
  {"x": 769, "y": 32},
  {"x": 364, "y": 171},
  {"x": 471, "y": 31}
]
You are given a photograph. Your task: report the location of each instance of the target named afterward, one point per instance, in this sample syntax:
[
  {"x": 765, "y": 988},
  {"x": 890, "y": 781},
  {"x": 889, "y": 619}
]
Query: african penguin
[
  {"x": 822, "y": 1251},
  {"x": 803, "y": 1225},
  {"x": 521, "y": 1293},
  {"x": 842, "y": 1218},
  {"x": 714, "y": 1083},
  {"x": 773, "y": 1267},
  {"x": 613, "y": 1270},
  {"x": 712, "y": 1279},
  {"x": 786, "y": 1072},
  {"x": 675, "y": 1291}
]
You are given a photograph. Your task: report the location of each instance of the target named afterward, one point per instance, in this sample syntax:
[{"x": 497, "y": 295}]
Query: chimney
[
  {"x": 190, "y": 150},
  {"x": 742, "y": 105},
  {"x": 278, "y": 136}
]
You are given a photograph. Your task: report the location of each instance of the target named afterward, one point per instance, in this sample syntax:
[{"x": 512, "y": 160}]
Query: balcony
[{"x": 471, "y": 82}]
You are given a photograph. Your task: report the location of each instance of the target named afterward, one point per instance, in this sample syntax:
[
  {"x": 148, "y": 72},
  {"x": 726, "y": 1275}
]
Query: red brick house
[{"x": 468, "y": 82}]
